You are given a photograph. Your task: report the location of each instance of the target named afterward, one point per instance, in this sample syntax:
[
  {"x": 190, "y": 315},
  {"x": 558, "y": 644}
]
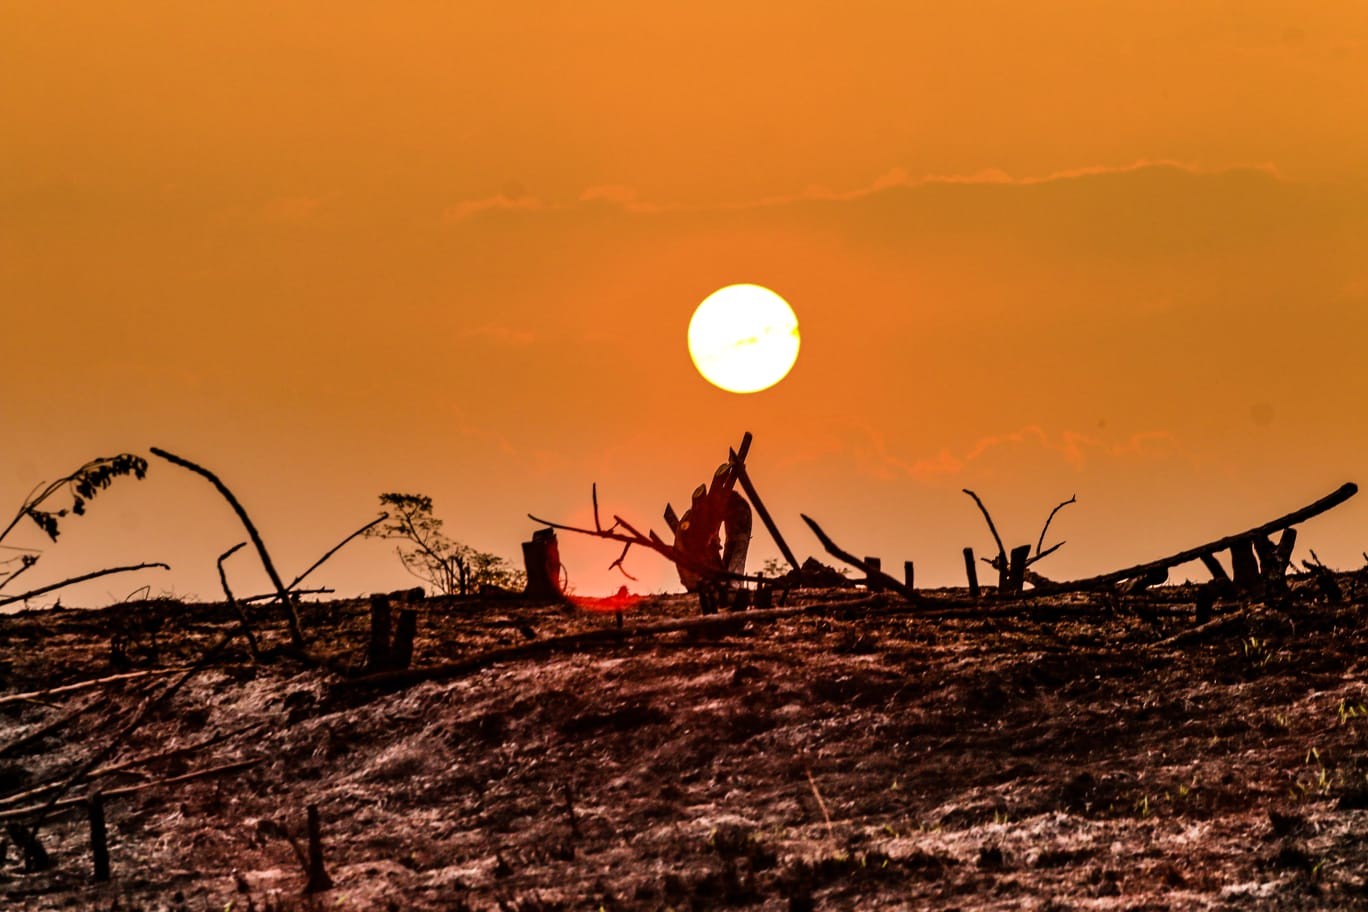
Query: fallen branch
[
  {"x": 837, "y": 552},
  {"x": 84, "y": 685},
  {"x": 41, "y": 811},
  {"x": 51, "y": 587},
  {"x": 119, "y": 739},
  {"x": 296, "y": 634},
  {"x": 133, "y": 763},
  {"x": 1328, "y": 502},
  {"x": 47, "y": 728}
]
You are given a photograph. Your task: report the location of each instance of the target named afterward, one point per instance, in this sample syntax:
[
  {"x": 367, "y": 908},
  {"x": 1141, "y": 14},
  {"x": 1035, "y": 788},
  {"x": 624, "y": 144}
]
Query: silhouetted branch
[
  {"x": 335, "y": 548},
  {"x": 1002, "y": 549},
  {"x": 743, "y": 476},
  {"x": 1328, "y": 502},
  {"x": 1049, "y": 519},
  {"x": 237, "y": 606},
  {"x": 837, "y": 552},
  {"x": 296, "y": 634},
  {"x": 52, "y": 587},
  {"x": 618, "y": 563}
]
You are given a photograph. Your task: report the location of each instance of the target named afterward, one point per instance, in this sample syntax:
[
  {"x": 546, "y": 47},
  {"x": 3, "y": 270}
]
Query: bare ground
[{"x": 1056, "y": 754}]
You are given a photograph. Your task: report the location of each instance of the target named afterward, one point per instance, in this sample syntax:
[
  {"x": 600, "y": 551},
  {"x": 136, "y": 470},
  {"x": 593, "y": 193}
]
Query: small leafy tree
[
  {"x": 446, "y": 565},
  {"x": 77, "y": 489}
]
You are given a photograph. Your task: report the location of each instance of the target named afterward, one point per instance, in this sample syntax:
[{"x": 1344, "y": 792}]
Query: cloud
[
  {"x": 1074, "y": 448},
  {"x": 500, "y": 202},
  {"x": 619, "y": 195}
]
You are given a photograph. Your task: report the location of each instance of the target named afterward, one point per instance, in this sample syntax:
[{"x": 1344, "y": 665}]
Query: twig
[
  {"x": 43, "y": 590},
  {"x": 296, "y": 634},
  {"x": 621, "y": 557},
  {"x": 821, "y": 804},
  {"x": 1041, "y": 541},
  {"x": 266, "y": 596},
  {"x": 335, "y": 548}
]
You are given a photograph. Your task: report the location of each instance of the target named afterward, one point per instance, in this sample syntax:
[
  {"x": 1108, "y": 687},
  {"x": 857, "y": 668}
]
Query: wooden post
[
  {"x": 909, "y": 576},
  {"x": 99, "y": 837},
  {"x": 401, "y": 653},
  {"x": 377, "y": 657},
  {"x": 971, "y": 572},
  {"x": 874, "y": 570},
  {"x": 318, "y": 877},
  {"x": 1243, "y": 567},
  {"x": 1016, "y": 575},
  {"x": 1286, "y": 542}
]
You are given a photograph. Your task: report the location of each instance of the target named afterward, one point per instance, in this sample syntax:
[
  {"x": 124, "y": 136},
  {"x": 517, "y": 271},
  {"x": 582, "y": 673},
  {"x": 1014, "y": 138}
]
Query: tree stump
[{"x": 541, "y": 558}]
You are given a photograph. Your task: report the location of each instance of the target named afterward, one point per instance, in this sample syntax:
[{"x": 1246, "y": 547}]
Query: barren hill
[{"x": 1081, "y": 752}]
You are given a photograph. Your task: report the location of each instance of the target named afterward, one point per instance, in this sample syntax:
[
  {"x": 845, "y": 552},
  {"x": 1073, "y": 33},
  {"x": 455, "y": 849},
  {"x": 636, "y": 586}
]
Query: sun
[{"x": 743, "y": 338}]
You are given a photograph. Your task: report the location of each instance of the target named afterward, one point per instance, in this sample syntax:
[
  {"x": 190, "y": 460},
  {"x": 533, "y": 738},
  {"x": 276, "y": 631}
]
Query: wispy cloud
[
  {"x": 500, "y": 202},
  {"x": 1075, "y": 448}
]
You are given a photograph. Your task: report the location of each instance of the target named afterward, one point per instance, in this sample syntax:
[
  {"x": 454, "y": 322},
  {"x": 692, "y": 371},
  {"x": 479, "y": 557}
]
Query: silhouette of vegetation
[
  {"x": 448, "y": 566},
  {"x": 80, "y": 487}
]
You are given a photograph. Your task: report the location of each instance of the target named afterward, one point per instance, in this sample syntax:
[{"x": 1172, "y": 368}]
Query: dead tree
[
  {"x": 624, "y": 532},
  {"x": 1014, "y": 569}
]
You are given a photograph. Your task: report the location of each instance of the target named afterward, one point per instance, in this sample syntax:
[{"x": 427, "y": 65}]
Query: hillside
[{"x": 1087, "y": 751}]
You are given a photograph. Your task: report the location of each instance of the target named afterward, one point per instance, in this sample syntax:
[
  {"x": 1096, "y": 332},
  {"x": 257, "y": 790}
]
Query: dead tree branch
[
  {"x": 743, "y": 476},
  {"x": 1002, "y": 549},
  {"x": 48, "y": 728},
  {"x": 296, "y": 633},
  {"x": 237, "y": 606},
  {"x": 1049, "y": 519},
  {"x": 335, "y": 548},
  {"x": 52, "y": 587},
  {"x": 122, "y": 737},
  {"x": 837, "y": 552},
  {"x": 1316, "y": 508},
  {"x": 42, "y": 811},
  {"x": 33, "y": 695}
]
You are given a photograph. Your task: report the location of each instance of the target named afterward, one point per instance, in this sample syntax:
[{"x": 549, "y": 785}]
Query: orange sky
[{"x": 333, "y": 249}]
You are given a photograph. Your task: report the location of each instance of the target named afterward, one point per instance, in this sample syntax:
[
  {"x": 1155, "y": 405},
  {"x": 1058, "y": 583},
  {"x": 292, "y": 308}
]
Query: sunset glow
[{"x": 1111, "y": 249}]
